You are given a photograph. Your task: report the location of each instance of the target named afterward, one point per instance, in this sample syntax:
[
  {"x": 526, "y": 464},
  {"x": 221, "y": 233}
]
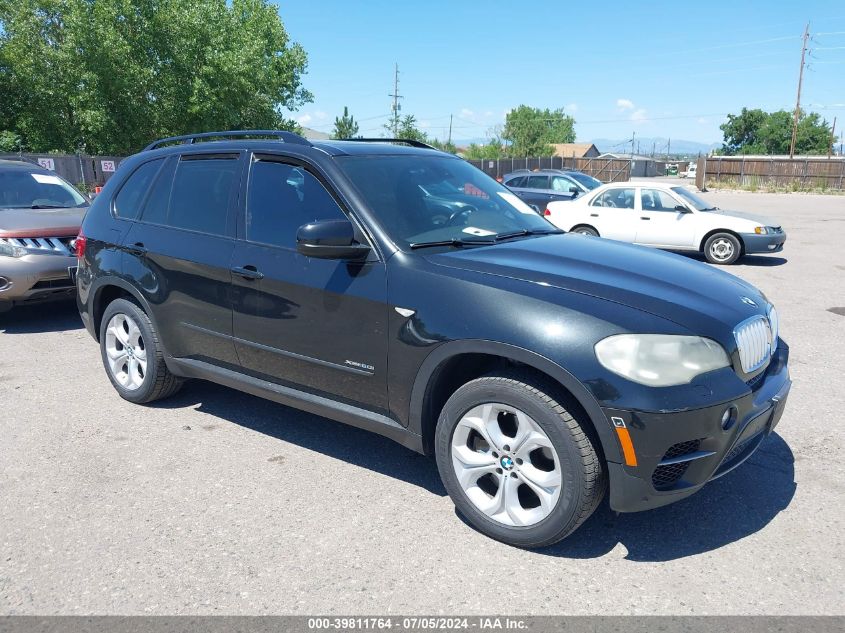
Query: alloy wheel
[
  {"x": 722, "y": 249},
  {"x": 506, "y": 464},
  {"x": 126, "y": 352}
]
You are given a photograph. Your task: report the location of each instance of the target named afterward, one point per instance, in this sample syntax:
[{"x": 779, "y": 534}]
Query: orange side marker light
[{"x": 625, "y": 440}]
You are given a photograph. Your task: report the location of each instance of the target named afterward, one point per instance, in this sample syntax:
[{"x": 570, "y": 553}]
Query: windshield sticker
[
  {"x": 46, "y": 179},
  {"x": 516, "y": 203},
  {"x": 472, "y": 230}
]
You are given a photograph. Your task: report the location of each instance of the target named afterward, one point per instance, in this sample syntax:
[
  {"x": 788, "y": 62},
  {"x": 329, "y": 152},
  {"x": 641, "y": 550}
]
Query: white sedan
[{"x": 667, "y": 216}]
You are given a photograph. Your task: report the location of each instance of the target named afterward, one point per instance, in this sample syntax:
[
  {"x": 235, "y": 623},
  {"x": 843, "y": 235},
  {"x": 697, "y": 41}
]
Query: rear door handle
[
  {"x": 594, "y": 215},
  {"x": 137, "y": 248},
  {"x": 642, "y": 217},
  {"x": 248, "y": 272}
]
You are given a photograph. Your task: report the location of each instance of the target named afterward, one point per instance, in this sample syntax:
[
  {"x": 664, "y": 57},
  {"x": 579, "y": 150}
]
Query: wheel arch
[
  {"x": 585, "y": 225},
  {"x": 713, "y": 232},
  {"x": 107, "y": 290},
  {"x": 453, "y": 364}
]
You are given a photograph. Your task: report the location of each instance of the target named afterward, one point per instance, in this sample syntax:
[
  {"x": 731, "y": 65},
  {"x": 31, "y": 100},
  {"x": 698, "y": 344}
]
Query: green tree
[
  {"x": 490, "y": 150},
  {"x": 531, "y": 131},
  {"x": 446, "y": 146},
  {"x": 345, "y": 126},
  {"x": 106, "y": 76},
  {"x": 758, "y": 132},
  {"x": 407, "y": 129}
]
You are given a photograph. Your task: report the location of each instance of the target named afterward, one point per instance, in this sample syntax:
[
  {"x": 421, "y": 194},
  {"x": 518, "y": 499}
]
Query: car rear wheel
[
  {"x": 722, "y": 248},
  {"x": 585, "y": 230},
  {"x": 132, "y": 354},
  {"x": 518, "y": 466}
]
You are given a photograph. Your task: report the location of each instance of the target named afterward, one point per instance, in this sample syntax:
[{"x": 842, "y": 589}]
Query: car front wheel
[
  {"x": 722, "y": 248},
  {"x": 518, "y": 466}
]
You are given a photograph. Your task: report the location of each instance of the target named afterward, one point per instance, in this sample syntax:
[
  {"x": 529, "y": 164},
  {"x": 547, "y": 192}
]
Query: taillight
[
  {"x": 79, "y": 245},
  {"x": 547, "y": 213}
]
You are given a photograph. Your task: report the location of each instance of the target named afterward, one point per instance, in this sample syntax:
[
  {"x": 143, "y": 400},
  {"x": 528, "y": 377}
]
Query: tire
[
  {"x": 585, "y": 230},
  {"x": 722, "y": 248},
  {"x": 132, "y": 354},
  {"x": 558, "y": 449}
]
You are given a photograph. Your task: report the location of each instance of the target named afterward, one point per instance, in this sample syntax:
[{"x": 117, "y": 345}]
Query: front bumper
[
  {"x": 772, "y": 243},
  {"x": 678, "y": 452},
  {"x": 34, "y": 278}
]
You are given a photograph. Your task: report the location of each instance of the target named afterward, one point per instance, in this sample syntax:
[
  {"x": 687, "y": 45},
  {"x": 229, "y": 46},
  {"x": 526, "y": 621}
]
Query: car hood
[
  {"x": 692, "y": 294},
  {"x": 41, "y": 222},
  {"x": 760, "y": 220}
]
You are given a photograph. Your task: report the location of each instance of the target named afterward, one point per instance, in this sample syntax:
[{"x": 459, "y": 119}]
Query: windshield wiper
[
  {"x": 522, "y": 232},
  {"x": 49, "y": 206},
  {"x": 455, "y": 241}
]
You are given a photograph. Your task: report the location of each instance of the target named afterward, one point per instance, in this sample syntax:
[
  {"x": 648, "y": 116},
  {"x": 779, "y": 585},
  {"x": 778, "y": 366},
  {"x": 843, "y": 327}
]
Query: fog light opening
[
  {"x": 729, "y": 418},
  {"x": 4, "y": 283}
]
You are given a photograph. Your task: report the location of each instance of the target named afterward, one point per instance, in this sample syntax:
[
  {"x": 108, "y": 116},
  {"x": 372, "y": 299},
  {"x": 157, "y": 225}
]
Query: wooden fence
[
  {"x": 604, "y": 169},
  {"x": 84, "y": 171},
  {"x": 801, "y": 172}
]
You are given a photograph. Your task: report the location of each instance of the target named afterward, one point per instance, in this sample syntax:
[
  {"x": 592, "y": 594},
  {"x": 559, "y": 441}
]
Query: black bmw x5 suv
[{"x": 399, "y": 289}]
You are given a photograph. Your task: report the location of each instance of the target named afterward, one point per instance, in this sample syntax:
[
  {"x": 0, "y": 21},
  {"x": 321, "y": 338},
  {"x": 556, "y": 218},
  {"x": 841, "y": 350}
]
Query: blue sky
[{"x": 670, "y": 69}]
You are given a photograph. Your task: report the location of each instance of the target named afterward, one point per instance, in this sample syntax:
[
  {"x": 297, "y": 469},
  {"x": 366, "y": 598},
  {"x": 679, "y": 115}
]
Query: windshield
[
  {"x": 693, "y": 200},
  {"x": 424, "y": 199},
  {"x": 20, "y": 189},
  {"x": 588, "y": 181}
]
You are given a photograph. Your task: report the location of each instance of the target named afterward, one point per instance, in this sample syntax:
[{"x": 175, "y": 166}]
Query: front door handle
[
  {"x": 248, "y": 272},
  {"x": 594, "y": 215},
  {"x": 137, "y": 248},
  {"x": 643, "y": 217}
]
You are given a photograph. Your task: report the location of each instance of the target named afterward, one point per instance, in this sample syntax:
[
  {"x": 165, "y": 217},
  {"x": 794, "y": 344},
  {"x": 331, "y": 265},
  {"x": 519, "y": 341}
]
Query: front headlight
[
  {"x": 660, "y": 360},
  {"x": 9, "y": 250},
  {"x": 774, "y": 324},
  {"x": 761, "y": 230}
]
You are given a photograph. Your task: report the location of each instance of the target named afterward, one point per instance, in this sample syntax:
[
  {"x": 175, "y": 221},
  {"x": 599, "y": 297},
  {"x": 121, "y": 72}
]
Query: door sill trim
[{"x": 312, "y": 403}]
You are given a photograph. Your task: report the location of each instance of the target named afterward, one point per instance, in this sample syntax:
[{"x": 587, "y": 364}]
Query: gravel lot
[{"x": 219, "y": 502}]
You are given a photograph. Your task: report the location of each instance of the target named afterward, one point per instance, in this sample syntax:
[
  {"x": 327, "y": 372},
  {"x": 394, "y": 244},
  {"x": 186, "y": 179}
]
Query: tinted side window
[
  {"x": 201, "y": 192},
  {"x": 155, "y": 208},
  {"x": 282, "y": 198},
  {"x": 519, "y": 181},
  {"x": 538, "y": 182},
  {"x": 127, "y": 202}
]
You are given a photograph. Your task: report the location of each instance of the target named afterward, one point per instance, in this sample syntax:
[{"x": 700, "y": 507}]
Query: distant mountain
[{"x": 678, "y": 146}]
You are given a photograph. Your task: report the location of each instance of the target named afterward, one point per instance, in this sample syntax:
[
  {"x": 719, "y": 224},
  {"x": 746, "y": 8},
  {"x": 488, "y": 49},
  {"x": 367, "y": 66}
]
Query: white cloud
[
  {"x": 638, "y": 116},
  {"x": 572, "y": 107},
  {"x": 320, "y": 115},
  {"x": 489, "y": 113},
  {"x": 702, "y": 120},
  {"x": 624, "y": 104},
  {"x": 303, "y": 119},
  {"x": 467, "y": 113}
]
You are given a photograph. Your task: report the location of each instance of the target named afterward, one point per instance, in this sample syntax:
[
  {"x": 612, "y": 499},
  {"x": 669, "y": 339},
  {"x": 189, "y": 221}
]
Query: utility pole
[
  {"x": 397, "y": 107},
  {"x": 668, "y": 149},
  {"x": 798, "y": 98},
  {"x": 633, "y": 139},
  {"x": 449, "y": 142},
  {"x": 832, "y": 138}
]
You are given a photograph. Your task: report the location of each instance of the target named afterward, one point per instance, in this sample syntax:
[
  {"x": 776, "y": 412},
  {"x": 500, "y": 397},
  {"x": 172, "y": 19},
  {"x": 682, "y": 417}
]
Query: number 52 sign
[{"x": 107, "y": 165}]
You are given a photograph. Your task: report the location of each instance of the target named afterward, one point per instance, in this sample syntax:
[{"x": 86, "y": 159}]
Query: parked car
[
  {"x": 538, "y": 188},
  {"x": 538, "y": 368},
  {"x": 690, "y": 172},
  {"x": 670, "y": 217},
  {"x": 40, "y": 216}
]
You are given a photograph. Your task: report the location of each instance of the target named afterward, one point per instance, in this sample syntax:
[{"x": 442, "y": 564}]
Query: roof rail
[
  {"x": 406, "y": 141},
  {"x": 189, "y": 139}
]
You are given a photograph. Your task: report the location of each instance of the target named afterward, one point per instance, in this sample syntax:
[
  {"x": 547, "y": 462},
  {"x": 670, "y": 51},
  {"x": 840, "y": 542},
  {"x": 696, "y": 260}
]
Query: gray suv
[
  {"x": 40, "y": 216},
  {"x": 554, "y": 184}
]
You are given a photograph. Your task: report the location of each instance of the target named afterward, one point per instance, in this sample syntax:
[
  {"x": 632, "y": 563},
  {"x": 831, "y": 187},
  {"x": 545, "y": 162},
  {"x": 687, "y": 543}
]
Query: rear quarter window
[{"x": 130, "y": 198}]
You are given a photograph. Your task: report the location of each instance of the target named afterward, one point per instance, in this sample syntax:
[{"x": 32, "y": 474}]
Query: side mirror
[
  {"x": 574, "y": 190},
  {"x": 330, "y": 239},
  {"x": 681, "y": 209}
]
